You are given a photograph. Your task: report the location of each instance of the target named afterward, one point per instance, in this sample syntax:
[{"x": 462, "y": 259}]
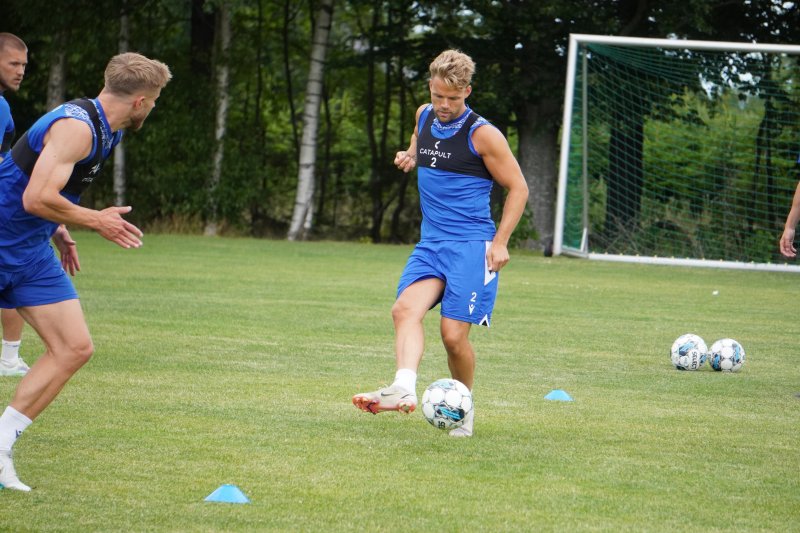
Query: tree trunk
[
  {"x": 222, "y": 71},
  {"x": 57, "y": 77},
  {"x": 302, "y": 216},
  {"x": 538, "y": 158},
  {"x": 120, "y": 185},
  {"x": 327, "y": 143}
]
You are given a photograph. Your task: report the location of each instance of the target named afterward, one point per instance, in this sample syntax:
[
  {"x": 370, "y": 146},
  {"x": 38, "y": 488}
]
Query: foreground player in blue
[
  {"x": 40, "y": 187},
  {"x": 13, "y": 60},
  {"x": 459, "y": 156}
]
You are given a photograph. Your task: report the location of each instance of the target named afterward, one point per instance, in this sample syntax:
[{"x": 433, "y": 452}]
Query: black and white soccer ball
[
  {"x": 446, "y": 403},
  {"x": 688, "y": 352},
  {"x": 726, "y": 355}
]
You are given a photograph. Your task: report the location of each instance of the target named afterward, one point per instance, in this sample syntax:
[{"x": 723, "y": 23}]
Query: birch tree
[
  {"x": 302, "y": 215},
  {"x": 222, "y": 70},
  {"x": 119, "y": 151},
  {"x": 57, "y": 75}
]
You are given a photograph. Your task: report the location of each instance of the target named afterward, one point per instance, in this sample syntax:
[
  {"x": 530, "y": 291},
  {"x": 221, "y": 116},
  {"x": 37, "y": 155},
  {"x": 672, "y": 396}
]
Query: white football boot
[
  {"x": 392, "y": 398},
  {"x": 14, "y": 368},
  {"x": 8, "y": 476},
  {"x": 465, "y": 430}
]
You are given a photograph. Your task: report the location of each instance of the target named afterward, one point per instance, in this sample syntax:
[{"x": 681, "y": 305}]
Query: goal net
[{"x": 681, "y": 152}]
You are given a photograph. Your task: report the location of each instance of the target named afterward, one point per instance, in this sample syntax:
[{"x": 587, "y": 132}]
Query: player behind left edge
[
  {"x": 13, "y": 62},
  {"x": 40, "y": 186}
]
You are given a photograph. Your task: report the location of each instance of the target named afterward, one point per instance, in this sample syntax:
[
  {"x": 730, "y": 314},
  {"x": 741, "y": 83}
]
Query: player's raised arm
[
  {"x": 67, "y": 142},
  {"x": 503, "y": 166}
]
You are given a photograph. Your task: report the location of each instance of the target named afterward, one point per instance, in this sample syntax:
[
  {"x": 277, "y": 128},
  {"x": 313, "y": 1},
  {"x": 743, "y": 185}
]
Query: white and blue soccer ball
[
  {"x": 446, "y": 403},
  {"x": 726, "y": 355},
  {"x": 688, "y": 352}
]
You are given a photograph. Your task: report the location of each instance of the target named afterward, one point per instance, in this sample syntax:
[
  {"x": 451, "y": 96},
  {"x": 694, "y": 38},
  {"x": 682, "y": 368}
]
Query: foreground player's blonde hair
[
  {"x": 453, "y": 67},
  {"x": 130, "y": 73}
]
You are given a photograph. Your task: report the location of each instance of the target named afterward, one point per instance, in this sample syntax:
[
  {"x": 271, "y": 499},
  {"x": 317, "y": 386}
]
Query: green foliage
[
  {"x": 234, "y": 361},
  {"x": 519, "y": 48}
]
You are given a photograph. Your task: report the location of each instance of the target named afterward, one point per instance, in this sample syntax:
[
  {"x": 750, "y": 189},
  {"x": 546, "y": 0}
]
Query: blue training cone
[
  {"x": 227, "y": 494},
  {"x": 558, "y": 395}
]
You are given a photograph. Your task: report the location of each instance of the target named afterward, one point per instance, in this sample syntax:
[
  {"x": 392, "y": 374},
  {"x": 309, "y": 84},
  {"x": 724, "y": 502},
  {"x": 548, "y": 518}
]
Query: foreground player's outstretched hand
[
  {"x": 787, "y": 243},
  {"x": 116, "y": 229},
  {"x": 405, "y": 161},
  {"x": 68, "y": 250}
]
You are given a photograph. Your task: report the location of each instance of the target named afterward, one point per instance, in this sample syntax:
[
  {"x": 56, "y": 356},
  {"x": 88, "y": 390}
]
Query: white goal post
[{"x": 678, "y": 152}]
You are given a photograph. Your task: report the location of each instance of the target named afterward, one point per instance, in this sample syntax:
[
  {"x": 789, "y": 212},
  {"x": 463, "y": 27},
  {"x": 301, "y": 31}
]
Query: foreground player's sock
[
  {"x": 10, "y": 351},
  {"x": 12, "y": 424},
  {"x": 406, "y": 379}
]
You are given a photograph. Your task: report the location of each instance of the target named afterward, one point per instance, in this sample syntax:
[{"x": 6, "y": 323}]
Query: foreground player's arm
[
  {"x": 503, "y": 166},
  {"x": 67, "y": 142},
  {"x": 787, "y": 239},
  {"x": 406, "y": 160}
]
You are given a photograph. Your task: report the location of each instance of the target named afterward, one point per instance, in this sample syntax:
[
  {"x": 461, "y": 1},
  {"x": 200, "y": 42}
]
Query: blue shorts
[
  {"x": 469, "y": 288},
  {"x": 42, "y": 284}
]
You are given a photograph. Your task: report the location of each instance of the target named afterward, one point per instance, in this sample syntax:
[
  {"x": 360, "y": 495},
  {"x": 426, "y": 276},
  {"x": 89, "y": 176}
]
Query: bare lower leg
[
  {"x": 461, "y": 360},
  {"x": 12, "y": 324},
  {"x": 68, "y": 347},
  {"x": 409, "y": 343},
  {"x": 460, "y": 355},
  {"x": 407, "y": 313},
  {"x": 41, "y": 385}
]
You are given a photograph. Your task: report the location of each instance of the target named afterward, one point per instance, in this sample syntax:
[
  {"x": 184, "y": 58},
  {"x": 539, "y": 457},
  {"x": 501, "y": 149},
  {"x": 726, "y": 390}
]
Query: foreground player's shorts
[
  {"x": 43, "y": 283},
  {"x": 469, "y": 288}
]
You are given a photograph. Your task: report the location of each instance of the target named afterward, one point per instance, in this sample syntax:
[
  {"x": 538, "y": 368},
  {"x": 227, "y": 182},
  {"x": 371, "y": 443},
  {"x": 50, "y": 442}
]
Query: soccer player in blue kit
[
  {"x": 13, "y": 60},
  {"x": 458, "y": 155},
  {"x": 40, "y": 186}
]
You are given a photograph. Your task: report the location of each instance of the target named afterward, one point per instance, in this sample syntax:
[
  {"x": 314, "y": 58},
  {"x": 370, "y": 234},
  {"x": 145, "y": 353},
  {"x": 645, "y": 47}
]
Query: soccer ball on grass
[
  {"x": 446, "y": 403},
  {"x": 726, "y": 355},
  {"x": 688, "y": 352}
]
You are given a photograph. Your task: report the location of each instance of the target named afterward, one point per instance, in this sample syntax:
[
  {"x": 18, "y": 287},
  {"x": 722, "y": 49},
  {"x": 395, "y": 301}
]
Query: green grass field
[{"x": 233, "y": 361}]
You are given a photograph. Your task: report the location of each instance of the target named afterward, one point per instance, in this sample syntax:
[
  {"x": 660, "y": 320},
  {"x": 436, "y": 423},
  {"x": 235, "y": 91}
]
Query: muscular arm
[
  {"x": 503, "y": 166},
  {"x": 67, "y": 142}
]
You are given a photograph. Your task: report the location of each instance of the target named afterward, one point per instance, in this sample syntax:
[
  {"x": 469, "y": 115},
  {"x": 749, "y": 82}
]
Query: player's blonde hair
[
  {"x": 454, "y": 68},
  {"x": 11, "y": 41},
  {"x": 131, "y": 73}
]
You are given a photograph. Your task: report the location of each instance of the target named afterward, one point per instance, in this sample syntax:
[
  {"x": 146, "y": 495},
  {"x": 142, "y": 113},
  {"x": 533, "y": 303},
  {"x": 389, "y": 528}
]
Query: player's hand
[
  {"x": 405, "y": 161},
  {"x": 67, "y": 249},
  {"x": 116, "y": 229},
  {"x": 497, "y": 257},
  {"x": 787, "y": 243}
]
